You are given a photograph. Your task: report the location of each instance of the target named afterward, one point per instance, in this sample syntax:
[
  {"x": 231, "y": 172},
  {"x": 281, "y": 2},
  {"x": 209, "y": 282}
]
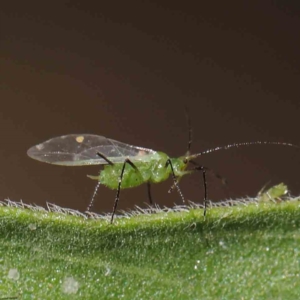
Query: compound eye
[{"x": 185, "y": 161}]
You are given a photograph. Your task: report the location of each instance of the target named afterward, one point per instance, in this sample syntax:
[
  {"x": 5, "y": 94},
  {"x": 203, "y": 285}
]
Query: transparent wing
[{"x": 81, "y": 149}]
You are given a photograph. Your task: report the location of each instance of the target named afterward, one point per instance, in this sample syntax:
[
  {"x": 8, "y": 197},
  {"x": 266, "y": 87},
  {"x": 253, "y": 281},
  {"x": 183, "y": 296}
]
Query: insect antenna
[
  {"x": 190, "y": 131},
  {"x": 190, "y": 134},
  {"x": 236, "y": 145}
]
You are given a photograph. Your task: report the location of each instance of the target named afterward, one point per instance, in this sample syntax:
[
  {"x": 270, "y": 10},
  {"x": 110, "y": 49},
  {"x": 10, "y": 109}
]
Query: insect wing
[{"x": 82, "y": 149}]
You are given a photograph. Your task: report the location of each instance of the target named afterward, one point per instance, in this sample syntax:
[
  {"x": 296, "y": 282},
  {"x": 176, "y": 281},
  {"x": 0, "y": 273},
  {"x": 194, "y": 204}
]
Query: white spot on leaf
[
  {"x": 32, "y": 226},
  {"x": 13, "y": 274},
  {"x": 70, "y": 285}
]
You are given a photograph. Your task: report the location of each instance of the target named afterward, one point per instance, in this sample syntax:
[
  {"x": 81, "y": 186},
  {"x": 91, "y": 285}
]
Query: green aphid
[
  {"x": 126, "y": 166},
  {"x": 274, "y": 194}
]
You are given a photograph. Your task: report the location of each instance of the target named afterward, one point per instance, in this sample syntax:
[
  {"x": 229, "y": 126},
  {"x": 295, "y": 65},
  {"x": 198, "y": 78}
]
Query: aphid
[
  {"x": 274, "y": 193},
  {"x": 126, "y": 166}
]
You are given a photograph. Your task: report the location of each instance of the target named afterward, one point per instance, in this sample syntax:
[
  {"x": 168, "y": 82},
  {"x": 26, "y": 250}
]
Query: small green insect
[
  {"x": 274, "y": 193},
  {"x": 126, "y": 166}
]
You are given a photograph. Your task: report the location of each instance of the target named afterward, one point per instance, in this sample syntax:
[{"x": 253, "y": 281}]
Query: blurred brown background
[{"x": 125, "y": 69}]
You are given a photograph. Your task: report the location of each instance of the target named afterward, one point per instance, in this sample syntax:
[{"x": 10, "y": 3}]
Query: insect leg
[
  {"x": 105, "y": 158},
  {"x": 98, "y": 184},
  {"x": 127, "y": 161},
  {"x": 223, "y": 179},
  {"x": 203, "y": 169},
  {"x": 175, "y": 179},
  {"x": 149, "y": 192},
  {"x": 93, "y": 197}
]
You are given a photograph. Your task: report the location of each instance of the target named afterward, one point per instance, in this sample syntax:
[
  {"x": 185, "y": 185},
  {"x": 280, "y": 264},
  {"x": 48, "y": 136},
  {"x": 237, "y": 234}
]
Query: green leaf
[{"x": 241, "y": 252}]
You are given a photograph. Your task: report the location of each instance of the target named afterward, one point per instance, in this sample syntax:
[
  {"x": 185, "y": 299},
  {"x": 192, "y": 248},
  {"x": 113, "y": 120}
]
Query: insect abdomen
[
  {"x": 152, "y": 170},
  {"x": 110, "y": 175}
]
